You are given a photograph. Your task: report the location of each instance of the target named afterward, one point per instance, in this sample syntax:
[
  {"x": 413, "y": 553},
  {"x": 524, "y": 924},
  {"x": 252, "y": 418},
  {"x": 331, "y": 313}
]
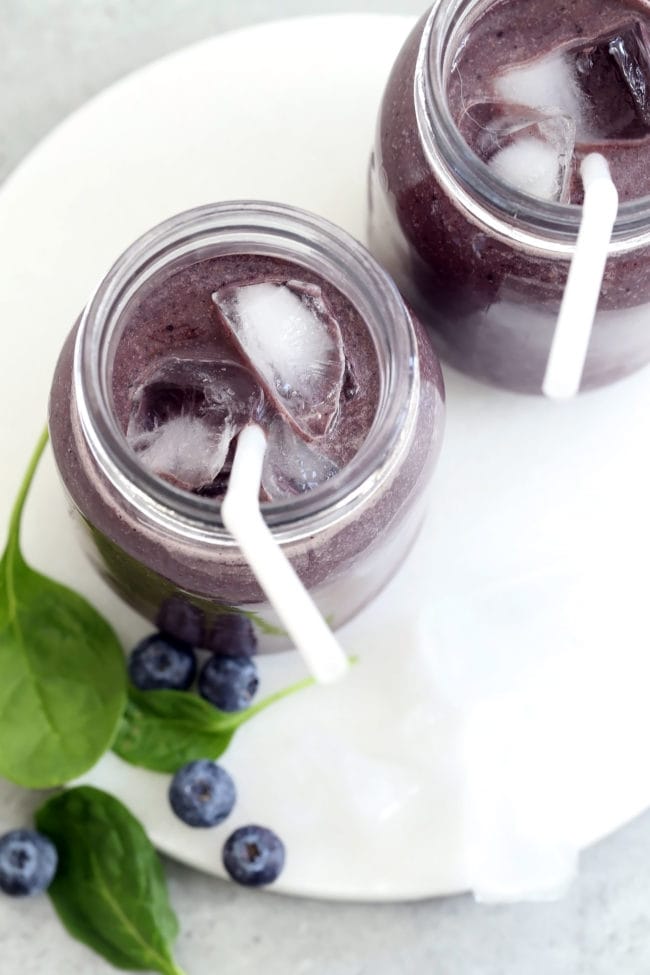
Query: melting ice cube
[
  {"x": 185, "y": 450},
  {"x": 184, "y": 415},
  {"x": 529, "y": 148},
  {"x": 531, "y": 166},
  {"x": 603, "y": 84},
  {"x": 292, "y": 466},
  {"x": 613, "y": 71},
  {"x": 288, "y": 334},
  {"x": 548, "y": 83}
]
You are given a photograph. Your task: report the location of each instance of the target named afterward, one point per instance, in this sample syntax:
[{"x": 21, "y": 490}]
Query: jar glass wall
[
  {"x": 484, "y": 264},
  {"x": 165, "y": 550}
]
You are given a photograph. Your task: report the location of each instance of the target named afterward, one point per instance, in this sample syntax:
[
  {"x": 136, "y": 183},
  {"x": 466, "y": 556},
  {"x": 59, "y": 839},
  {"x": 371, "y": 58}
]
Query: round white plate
[{"x": 498, "y": 719}]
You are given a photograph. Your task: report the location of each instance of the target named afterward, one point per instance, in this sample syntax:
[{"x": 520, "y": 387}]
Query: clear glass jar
[
  {"x": 165, "y": 551},
  {"x": 484, "y": 265}
]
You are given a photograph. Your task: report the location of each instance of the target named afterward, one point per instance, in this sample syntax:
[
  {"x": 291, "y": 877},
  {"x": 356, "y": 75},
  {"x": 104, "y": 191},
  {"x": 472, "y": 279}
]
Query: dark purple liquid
[{"x": 492, "y": 306}]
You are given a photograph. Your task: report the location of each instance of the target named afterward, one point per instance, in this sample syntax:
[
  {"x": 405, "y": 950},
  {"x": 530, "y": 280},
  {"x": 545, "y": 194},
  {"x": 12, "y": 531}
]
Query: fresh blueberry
[
  {"x": 253, "y": 856},
  {"x": 229, "y": 683},
  {"x": 161, "y": 663},
  {"x": 182, "y": 620},
  {"x": 202, "y": 793},
  {"x": 28, "y": 863},
  {"x": 233, "y": 635}
]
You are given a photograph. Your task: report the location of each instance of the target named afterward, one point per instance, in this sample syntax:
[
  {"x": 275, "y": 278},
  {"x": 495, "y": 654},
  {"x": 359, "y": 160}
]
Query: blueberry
[
  {"x": 253, "y": 856},
  {"x": 161, "y": 663},
  {"x": 202, "y": 793},
  {"x": 28, "y": 863},
  {"x": 178, "y": 618},
  {"x": 229, "y": 683},
  {"x": 233, "y": 635}
]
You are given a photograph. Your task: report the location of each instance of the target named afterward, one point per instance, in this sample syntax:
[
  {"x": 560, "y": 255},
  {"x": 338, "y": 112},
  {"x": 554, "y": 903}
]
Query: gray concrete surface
[{"x": 54, "y": 54}]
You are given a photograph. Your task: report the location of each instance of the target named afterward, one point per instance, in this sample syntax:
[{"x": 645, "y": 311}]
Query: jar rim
[
  {"x": 542, "y": 225},
  {"x": 293, "y": 234}
]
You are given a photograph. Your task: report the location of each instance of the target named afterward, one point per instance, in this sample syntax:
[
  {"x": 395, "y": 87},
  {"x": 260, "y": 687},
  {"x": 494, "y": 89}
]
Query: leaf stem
[
  {"x": 13, "y": 540},
  {"x": 243, "y": 716}
]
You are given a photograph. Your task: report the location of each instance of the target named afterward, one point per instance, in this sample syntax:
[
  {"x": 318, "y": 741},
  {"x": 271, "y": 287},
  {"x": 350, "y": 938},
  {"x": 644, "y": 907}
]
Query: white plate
[{"x": 498, "y": 720}]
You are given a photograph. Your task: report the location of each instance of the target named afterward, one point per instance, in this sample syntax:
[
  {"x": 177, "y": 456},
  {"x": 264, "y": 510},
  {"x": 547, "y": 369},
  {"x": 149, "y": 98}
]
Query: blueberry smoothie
[
  {"x": 223, "y": 316},
  {"x": 238, "y": 339},
  {"x": 475, "y": 186},
  {"x": 535, "y": 114}
]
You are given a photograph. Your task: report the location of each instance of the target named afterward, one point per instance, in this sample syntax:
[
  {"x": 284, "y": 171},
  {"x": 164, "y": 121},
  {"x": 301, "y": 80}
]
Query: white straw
[
  {"x": 573, "y": 329},
  {"x": 296, "y": 609}
]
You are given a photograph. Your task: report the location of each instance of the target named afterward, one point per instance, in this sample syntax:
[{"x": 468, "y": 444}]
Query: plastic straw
[
  {"x": 573, "y": 329},
  {"x": 294, "y": 606}
]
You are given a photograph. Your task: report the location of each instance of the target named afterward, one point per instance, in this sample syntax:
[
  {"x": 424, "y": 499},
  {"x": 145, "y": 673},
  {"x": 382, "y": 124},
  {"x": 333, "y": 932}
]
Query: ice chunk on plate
[
  {"x": 292, "y": 466},
  {"x": 529, "y": 148},
  {"x": 288, "y": 334},
  {"x": 184, "y": 415},
  {"x": 613, "y": 72}
]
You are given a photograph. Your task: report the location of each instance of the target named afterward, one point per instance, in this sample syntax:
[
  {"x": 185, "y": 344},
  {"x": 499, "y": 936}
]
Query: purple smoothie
[
  {"x": 177, "y": 320},
  {"x": 158, "y": 541},
  {"x": 484, "y": 265},
  {"x": 508, "y": 36}
]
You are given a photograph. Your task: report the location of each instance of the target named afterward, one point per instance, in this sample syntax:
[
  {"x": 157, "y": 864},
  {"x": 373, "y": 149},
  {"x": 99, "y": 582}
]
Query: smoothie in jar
[
  {"x": 475, "y": 185},
  {"x": 223, "y": 316}
]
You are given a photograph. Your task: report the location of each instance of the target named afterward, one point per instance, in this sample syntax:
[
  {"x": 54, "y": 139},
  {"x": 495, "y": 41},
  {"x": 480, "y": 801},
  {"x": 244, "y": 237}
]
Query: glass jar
[
  {"x": 483, "y": 264},
  {"x": 164, "y": 550}
]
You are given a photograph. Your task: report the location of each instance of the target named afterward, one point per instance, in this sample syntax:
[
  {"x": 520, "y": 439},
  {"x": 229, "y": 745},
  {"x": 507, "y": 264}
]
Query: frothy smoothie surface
[
  {"x": 235, "y": 339},
  {"x": 538, "y": 85}
]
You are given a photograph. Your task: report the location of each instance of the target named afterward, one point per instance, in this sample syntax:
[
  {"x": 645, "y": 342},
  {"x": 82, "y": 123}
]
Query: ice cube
[
  {"x": 547, "y": 83},
  {"x": 186, "y": 450},
  {"x": 603, "y": 84},
  {"x": 613, "y": 72},
  {"x": 529, "y": 148},
  {"x": 532, "y": 166},
  {"x": 292, "y": 466},
  {"x": 184, "y": 415},
  {"x": 288, "y": 334}
]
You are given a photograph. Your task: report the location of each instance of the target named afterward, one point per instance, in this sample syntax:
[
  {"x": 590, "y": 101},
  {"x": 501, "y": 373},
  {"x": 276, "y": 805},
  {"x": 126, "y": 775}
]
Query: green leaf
[
  {"x": 62, "y": 674},
  {"x": 109, "y": 889},
  {"x": 162, "y": 730},
  {"x": 269, "y": 629}
]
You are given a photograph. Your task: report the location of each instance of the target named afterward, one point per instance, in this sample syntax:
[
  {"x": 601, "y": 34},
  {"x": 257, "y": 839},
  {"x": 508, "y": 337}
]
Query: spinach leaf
[
  {"x": 162, "y": 730},
  {"x": 109, "y": 889},
  {"x": 269, "y": 629},
  {"x": 62, "y": 674}
]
